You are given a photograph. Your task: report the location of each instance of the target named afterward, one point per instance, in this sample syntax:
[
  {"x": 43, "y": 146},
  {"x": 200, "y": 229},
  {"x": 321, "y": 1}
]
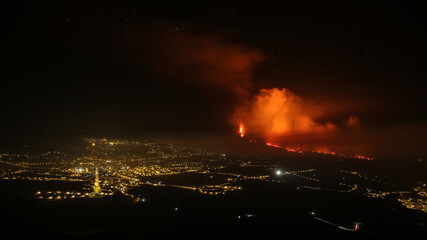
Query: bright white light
[{"x": 278, "y": 172}]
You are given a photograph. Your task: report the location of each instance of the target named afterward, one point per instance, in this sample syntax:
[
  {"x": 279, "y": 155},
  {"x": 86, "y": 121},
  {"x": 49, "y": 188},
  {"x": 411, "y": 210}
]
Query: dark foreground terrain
[{"x": 260, "y": 210}]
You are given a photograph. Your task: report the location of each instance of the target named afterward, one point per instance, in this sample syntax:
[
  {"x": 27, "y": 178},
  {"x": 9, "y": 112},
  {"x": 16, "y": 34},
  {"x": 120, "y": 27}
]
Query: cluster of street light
[{"x": 107, "y": 167}]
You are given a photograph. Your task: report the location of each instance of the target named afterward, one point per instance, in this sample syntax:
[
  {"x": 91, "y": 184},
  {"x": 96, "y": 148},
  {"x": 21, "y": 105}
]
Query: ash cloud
[
  {"x": 212, "y": 63},
  {"x": 274, "y": 113},
  {"x": 206, "y": 61}
]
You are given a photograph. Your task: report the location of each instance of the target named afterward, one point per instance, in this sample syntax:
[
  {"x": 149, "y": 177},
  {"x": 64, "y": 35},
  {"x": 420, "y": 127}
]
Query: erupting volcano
[
  {"x": 280, "y": 118},
  {"x": 282, "y": 115},
  {"x": 276, "y": 113}
]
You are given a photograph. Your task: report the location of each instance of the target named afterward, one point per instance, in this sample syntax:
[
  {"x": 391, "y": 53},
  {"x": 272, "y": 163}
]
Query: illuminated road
[{"x": 356, "y": 225}]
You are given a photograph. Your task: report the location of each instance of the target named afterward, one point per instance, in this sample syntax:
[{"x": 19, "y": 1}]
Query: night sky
[{"x": 137, "y": 68}]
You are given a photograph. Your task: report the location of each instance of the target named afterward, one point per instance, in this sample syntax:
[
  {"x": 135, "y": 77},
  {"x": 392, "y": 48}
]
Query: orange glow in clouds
[
  {"x": 278, "y": 116},
  {"x": 276, "y": 113}
]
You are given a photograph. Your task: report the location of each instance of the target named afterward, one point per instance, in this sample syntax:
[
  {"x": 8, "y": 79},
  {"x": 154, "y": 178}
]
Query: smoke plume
[
  {"x": 206, "y": 61},
  {"x": 275, "y": 113}
]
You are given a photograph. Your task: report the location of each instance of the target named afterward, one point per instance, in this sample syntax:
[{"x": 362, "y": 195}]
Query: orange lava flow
[
  {"x": 241, "y": 130},
  {"x": 323, "y": 151},
  {"x": 363, "y": 157},
  {"x": 279, "y": 116},
  {"x": 273, "y": 145}
]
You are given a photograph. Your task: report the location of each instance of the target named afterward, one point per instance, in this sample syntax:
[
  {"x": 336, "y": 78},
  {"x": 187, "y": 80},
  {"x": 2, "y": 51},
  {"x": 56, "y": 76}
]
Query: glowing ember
[
  {"x": 241, "y": 130},
  {"x": 363, "y": 157},
  {"x": 324, "y": 151},
  {"x": 296, "y": 150},
  {"x": 273, "y": 145}
]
